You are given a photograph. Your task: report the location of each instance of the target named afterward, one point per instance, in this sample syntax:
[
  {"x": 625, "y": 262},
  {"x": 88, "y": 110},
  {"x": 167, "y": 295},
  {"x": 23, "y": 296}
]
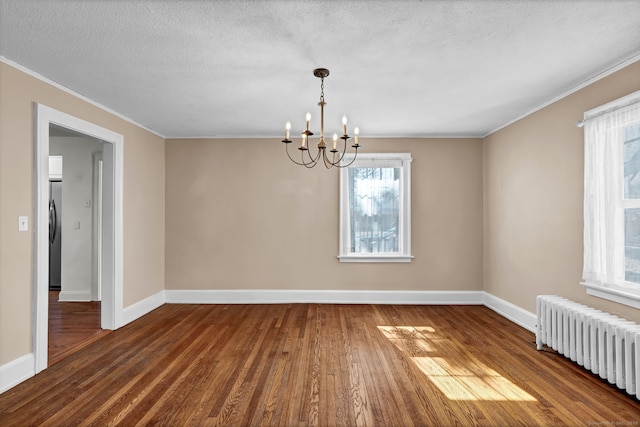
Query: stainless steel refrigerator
[{"x": 55, "y": 235}]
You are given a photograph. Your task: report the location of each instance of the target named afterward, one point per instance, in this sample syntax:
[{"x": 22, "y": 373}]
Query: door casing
[{"x": 112, "y": 222}]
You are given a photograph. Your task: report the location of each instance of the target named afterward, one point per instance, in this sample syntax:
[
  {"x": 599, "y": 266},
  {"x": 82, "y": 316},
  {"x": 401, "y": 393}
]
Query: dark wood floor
[
  {"x": 309, "y": 364},
  {"x": 72, "y": 325}
]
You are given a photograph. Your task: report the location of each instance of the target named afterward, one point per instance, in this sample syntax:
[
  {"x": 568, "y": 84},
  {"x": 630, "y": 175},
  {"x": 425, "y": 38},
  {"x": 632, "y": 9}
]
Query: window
[
  {"x": 612, "y": 201},
  {"x": 631, "y": 202},
  {"x": 375, "y": 208}
]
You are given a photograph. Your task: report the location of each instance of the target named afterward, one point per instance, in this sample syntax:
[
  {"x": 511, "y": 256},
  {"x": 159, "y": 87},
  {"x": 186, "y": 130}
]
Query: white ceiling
[{"x": 243, "y": 68}]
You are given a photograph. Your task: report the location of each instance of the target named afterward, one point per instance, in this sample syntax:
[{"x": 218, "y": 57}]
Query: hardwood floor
[
  {"x": 72, "y": 325},
  {"x": 310, "y": 364}
]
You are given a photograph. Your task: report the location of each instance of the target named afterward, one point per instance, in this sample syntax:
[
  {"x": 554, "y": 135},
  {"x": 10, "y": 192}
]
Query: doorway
[
  {"x": 75, "y": 231},
  {"x": 111, "y": 250}
]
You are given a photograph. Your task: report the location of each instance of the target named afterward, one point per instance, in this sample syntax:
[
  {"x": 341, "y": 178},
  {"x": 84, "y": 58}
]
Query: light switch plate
[{"x": 23, "y": 223}]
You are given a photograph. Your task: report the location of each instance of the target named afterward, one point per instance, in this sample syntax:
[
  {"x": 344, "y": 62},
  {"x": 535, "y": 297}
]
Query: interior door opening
[
  {"x": 110, "y": 248},
  {"x": 75, "y": 235}
]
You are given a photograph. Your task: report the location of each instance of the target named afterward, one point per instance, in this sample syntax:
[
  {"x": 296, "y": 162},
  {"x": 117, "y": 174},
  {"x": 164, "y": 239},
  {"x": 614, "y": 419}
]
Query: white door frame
[
  {"x": 112, "y": 242},
  {"x": 96, "y": 228}
]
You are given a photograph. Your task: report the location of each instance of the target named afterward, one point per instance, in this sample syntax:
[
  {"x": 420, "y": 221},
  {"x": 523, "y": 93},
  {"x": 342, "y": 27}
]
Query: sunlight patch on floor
[
  {"x": 464, "y": 378},
  {"x": 460, "y": 384}
]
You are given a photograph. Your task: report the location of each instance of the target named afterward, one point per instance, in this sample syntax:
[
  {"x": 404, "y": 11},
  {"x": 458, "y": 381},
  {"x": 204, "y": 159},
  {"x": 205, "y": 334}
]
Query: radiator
[{"x": 605, "y": 344}]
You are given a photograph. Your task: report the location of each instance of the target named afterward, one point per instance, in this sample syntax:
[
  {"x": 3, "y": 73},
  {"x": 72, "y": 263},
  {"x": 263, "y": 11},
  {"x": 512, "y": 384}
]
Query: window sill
[
  {"x": 616, "y": 294},
  {"x": 375, "y": 258}
]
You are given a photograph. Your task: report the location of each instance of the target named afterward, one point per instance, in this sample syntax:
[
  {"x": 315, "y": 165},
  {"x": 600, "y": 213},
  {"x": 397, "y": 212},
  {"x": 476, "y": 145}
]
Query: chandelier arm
[
  {"x": 311, "y": 163},
  {"x": 312, "y": 160},
  {"x": 355, "y": 154},
  {"x": 336, "y": 163},
  {"x": 327, "y": 163},
  {"x": 344, "y": 151},
  {"x": 291, "y": 158},
  {"x": 315, "y": 159}
]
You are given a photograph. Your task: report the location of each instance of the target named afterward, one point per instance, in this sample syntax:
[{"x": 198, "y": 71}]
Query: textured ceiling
[{"x": 243, "y": 68}]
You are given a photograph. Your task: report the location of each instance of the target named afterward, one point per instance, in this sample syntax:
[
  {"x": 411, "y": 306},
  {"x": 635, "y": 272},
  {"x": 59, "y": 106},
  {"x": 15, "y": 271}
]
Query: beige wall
[
  {"x": 533, "y": 191},
  {"x": 240, "y": 215},
  {"x": 144, "y": 183}
]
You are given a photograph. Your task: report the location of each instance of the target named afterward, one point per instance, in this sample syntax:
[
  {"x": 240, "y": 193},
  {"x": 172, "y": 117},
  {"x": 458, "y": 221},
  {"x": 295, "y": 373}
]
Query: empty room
[{"x": 278, "y": 212}]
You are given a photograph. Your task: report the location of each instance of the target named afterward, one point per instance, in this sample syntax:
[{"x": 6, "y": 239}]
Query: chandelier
[{"x": 330, "y": 160}]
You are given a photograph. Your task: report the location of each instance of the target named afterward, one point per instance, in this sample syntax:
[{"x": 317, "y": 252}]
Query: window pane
[
  {"x": 632, "y": 244},
  {"x": 632, "y": 162},
  {"x": 374, "y": 196}
]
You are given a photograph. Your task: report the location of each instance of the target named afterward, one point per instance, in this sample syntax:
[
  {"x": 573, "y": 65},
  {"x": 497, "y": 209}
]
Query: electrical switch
[{"x": 23, "y": 223}]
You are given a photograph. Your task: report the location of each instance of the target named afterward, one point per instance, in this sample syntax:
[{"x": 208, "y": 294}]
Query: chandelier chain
[{"x": 322, "y": 89}]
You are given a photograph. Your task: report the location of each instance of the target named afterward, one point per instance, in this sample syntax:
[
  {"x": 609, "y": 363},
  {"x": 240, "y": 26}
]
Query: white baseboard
[
  {"x": 506, "y": 309},
  {"x": 16, "y": 371},
  {"x": 517, "y": 315},
  {"x": 74, "y": 296},
  {"x": 139, "y": 309},
  {"x": 258, "y": 296}
]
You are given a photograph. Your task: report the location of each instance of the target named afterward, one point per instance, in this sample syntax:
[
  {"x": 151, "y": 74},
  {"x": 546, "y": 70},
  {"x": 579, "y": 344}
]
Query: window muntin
[{"x": 375, "y": 208}]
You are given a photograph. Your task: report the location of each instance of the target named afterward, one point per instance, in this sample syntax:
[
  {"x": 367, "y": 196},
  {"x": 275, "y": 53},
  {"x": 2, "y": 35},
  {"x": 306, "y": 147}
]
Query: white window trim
[
  {"x": 612, "y": 293},
  {"x": 624, "y": 293},
  {"x": 404, "y": 234}
]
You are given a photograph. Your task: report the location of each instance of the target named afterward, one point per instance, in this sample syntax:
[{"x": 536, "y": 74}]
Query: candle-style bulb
[
  {"x": 287, "y": 127},
  {"x": 356, "y": 132},
  {"x": 308, "y": 117},
  {"x": 344, "y": 125},
  {"x": 335, "y": 140},
  {"x": 344, "y": 119}
]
